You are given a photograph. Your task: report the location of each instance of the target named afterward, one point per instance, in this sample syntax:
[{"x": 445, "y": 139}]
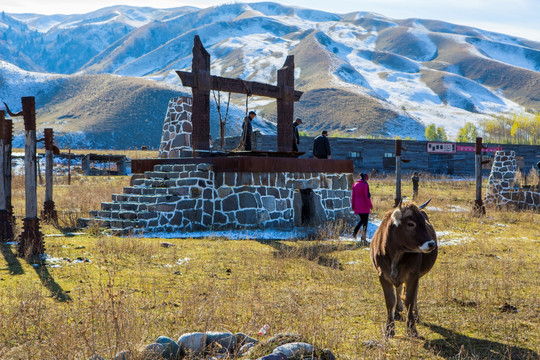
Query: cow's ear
[{"x": 396, "y": 217}]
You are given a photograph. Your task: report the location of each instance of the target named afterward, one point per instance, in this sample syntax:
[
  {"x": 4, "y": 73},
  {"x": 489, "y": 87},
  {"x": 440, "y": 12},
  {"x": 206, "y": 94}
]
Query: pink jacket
[{"x": 360, "y": 201}]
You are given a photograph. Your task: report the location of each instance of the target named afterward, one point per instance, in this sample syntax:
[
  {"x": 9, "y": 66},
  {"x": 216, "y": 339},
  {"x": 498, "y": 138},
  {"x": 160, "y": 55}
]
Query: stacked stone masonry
[
  {"x": 177, "y": 128},
  {"x": 502, "y": 189},
  {"x": 193, "y": 197}
]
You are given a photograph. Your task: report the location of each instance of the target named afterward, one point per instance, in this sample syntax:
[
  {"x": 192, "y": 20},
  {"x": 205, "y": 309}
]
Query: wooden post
[
  {"x": 200, "y": 136},
  {"x": 7, "y": 133},
  {"x": 478, "y": 208},
  {"x": 49, "y": 214},
  {"x": 69, "y": 166},
  {"x": 397, "y": 198},
  {"x": 31, "y": 242},
  {"x": 285, "y": 106},
  {"x": 6, "y": 228}
]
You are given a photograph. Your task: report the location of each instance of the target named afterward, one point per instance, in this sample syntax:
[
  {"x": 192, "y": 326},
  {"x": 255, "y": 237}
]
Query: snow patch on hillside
[
  {"x": 426, "y": 46},
  {"x": 509, "y": 54}
]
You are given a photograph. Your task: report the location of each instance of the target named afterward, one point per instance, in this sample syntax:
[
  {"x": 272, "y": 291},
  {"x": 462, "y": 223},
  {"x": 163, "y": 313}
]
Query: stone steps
[{"x": 140, "y": 205}]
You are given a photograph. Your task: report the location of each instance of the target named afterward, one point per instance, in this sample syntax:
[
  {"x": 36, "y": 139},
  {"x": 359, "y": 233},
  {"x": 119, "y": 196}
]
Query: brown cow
[{"x": 403, "y": 249}]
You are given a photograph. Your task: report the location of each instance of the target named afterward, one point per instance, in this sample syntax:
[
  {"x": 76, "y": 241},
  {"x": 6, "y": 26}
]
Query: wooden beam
[{"x": 238, "y": 86}]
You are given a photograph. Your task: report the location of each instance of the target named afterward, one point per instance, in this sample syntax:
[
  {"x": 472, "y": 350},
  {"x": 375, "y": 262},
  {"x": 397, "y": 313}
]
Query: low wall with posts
[
  {"x": 177, "y": 128},
  {"x": 502, "y": 189},
  {"x": 195, "y": 197}
]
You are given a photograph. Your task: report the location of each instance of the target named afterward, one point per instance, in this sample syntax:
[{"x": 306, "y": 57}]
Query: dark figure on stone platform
[
  {"x": 321, "y": 146},
  {"x": 296, "y": 135},
  {"x": 415, "y": 179},
  {"x": 361, "y": 204},
  {"x": 247, "y": 129}
]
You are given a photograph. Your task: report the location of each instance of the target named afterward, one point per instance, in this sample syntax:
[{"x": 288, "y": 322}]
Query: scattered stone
[
  {"x": 295, "y": 350},
  {"x": 96, "y": 357},
  {"x": 166, "y": 245},
  {"x": 508, "y": 308},
  {"x": 372, "y": 344},
  {"x": 273, "y": 357},
  {"x": 172, "y": 350},
  {"x": 192, "y": 343},
  {"x": 124, "y": 355},
  {"x": 246, "y": 349},
  {"x": 242, "y": 339},
  {"x": 152, "y": 352},
  {"x": 220, "y": 341}
]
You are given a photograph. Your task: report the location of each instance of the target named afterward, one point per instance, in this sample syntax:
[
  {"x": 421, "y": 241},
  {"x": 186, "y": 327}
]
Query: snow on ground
[{"x": 509, "y": 54}]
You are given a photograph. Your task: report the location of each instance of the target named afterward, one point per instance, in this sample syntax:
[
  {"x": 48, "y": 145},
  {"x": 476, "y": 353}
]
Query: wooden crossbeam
[{"x": 237, "y": 86}]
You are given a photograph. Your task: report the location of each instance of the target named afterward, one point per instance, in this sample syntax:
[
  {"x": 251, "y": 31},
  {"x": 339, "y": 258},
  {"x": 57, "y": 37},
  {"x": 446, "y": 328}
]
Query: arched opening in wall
[{"x": 308, "y": 206}]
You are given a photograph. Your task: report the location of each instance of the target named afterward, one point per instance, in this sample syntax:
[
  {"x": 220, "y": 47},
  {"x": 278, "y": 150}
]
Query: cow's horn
[
  {"x": 399, "y": 203},
  {"x": 424, "y": 204},
  {"x": 12, "y": 114}
]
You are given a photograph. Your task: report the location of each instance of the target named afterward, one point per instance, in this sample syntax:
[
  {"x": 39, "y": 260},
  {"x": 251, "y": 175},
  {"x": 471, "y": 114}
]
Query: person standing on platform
[
  {"x": 247, "y": 129},
  {"x": 415, "y": 180},
  {"x": 361, "y": 204},
  {"x": 296, "y": 135},
  {"x": 321, "y": 146}
]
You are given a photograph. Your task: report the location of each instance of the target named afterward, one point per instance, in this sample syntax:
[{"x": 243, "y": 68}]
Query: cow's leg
[
  {"x": 390, "y": 299},
  {"x": 399, "y": 303},
  {"x": 410, "y": 304}
]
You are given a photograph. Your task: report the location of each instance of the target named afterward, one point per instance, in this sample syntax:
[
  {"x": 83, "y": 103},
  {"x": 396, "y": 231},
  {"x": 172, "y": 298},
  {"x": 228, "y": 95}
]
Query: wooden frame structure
[{"x": 201, "y": 82}]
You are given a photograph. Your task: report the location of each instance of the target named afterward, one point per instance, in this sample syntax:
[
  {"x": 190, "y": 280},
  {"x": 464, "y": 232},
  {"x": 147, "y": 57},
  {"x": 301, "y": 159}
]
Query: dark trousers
[
  {"x": 363, "y": 222},
  {"x": 247, "y": 144},
  {"x": 294, "y": 146}
]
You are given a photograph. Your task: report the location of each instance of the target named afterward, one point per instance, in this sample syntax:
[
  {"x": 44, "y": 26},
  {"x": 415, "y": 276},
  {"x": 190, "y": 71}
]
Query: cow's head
[{"x": 411, "y": 230}]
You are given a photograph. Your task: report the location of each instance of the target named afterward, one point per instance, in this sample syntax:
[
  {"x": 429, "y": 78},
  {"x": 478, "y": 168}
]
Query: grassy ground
[{"x": 132, "y": 290}]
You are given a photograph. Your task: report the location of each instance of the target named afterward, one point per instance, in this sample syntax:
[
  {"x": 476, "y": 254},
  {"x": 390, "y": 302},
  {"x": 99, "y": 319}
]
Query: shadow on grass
[
  {"x": 13, "y": 263},
  {"x": 312, "y": 252},
  {"x": 458, "y": 346},
  {"x": 47, "y": 280}
]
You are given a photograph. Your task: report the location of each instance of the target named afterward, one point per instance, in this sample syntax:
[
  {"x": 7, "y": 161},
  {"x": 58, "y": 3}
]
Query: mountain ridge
[{"x": 361, "y": 73}]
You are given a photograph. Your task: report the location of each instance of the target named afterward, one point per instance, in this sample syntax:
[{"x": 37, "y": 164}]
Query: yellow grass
[{"x": 132, "y": 290}]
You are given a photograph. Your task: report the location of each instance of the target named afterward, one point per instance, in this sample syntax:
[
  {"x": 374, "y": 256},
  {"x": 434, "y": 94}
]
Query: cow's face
[{"x": 411, "y": 229}]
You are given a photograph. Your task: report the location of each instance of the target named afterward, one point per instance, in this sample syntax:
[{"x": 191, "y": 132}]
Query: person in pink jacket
[{"x": 361, "y": 204}]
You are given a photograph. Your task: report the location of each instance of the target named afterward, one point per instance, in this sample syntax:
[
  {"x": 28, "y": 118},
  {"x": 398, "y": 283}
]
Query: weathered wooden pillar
[
  {"x": 478, "y": 208},
  {"x": 200, "y": 137},
  {"x": 49, "y": 214},
  {"x": 7, "y": 133},
  {"x": 397, "y": 198},
  {"x": 285, "y": 106},
  {"x": 69, "y": 166},
  {"x": 31, "y": 242},
  {"x": 6, "y": 224}
]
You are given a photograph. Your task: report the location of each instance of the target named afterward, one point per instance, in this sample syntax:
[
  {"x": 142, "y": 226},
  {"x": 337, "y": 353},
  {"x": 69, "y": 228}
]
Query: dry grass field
[{"x": 479, "y": 302}]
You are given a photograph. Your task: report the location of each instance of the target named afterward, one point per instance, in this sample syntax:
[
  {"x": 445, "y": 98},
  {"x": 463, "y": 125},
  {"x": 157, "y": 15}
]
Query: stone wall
[
  {"x": 177, "y": 128},
  {"x": 503, "y": 190},
  {"x": 193, "y": 197}
]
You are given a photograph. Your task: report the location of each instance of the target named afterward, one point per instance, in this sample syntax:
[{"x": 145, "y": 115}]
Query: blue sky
[{"x": 516, "y": 17}]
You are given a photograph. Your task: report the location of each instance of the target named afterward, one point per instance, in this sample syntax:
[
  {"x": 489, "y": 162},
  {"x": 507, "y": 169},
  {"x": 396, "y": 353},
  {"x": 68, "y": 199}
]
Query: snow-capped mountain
[{"x": 361, "y": 73}]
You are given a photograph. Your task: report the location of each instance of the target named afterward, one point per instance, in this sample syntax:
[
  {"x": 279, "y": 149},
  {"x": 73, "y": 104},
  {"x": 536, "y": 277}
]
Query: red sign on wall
[{"x": 472, "y": 149}]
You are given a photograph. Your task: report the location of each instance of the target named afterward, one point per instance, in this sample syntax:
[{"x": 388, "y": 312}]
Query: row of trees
[{"x": 515, "y": 129}]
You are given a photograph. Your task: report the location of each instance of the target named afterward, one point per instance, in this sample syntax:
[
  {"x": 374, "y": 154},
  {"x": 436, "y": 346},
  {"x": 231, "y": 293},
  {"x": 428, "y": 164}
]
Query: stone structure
[
  {"x": 195, "y": 197},
  {"x": 502, "y": 189},
  {"x": 177, "y": 128}
]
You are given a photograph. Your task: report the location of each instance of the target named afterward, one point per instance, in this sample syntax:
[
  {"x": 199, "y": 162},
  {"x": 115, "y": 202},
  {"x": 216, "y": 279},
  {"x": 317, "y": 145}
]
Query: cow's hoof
[
  {"x": 389, "y": 331},
  {"x": 412, "y": 333}
]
